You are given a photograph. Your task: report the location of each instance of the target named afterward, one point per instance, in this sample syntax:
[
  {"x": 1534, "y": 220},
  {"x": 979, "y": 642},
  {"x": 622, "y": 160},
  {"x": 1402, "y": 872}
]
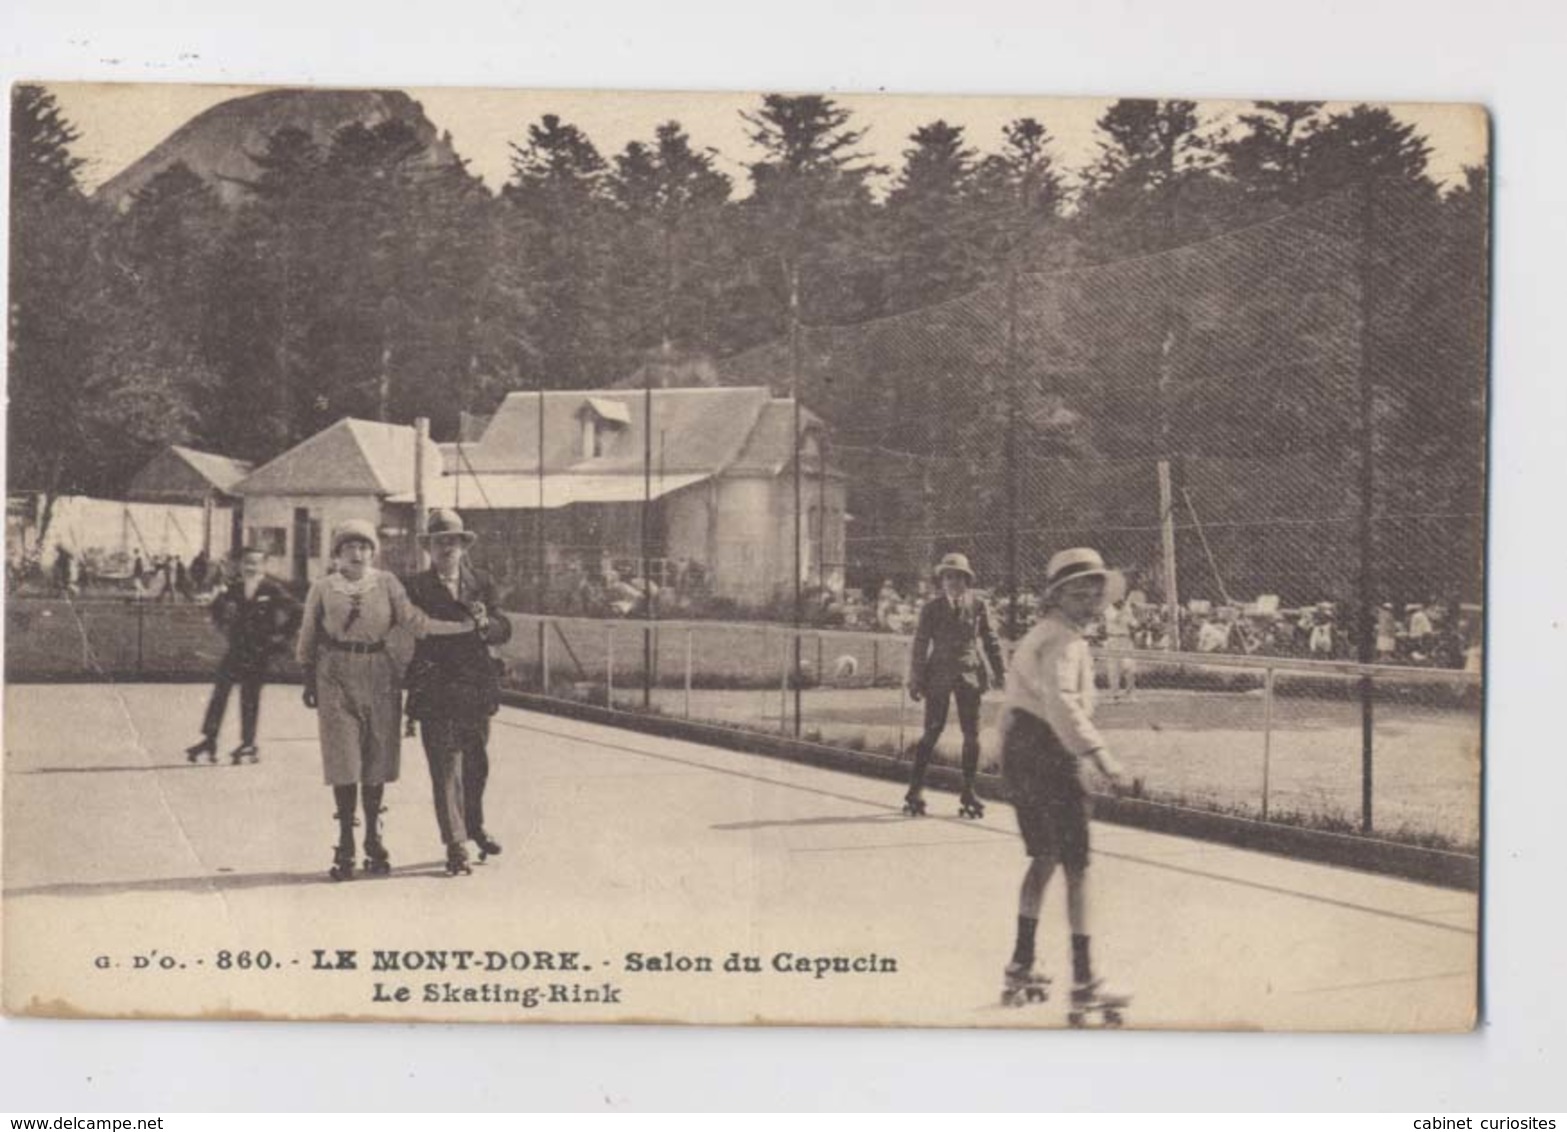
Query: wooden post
[
  {"x": 544, "y": 661},
  {"x": 1267, "y": 735},
  {"x": 609, "y": 664},
  {"x": 421, "y": 560},
  {"x": 689, "y": 658},
  {"x": 1167, "y": 532}
]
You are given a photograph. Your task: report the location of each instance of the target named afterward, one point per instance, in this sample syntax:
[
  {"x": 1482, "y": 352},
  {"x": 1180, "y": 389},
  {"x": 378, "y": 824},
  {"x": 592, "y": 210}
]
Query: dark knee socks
[
  {"x": 345, "y": 796},
  {"x": 1082, "y": 969},
  {"x": 1023, "y": 951},
  {"x": 371, "y": 799}
]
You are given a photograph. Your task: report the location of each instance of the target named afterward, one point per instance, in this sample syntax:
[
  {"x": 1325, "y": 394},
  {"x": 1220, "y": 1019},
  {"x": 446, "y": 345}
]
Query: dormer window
[{"x": 603, "y": 420}]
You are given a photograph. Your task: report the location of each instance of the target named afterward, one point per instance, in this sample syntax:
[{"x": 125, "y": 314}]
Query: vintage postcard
[{"x": 784, "y": 558}]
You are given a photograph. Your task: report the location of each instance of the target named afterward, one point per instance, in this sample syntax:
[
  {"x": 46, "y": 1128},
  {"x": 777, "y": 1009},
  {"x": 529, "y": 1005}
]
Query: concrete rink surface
[{"x": 643, "y": 879}]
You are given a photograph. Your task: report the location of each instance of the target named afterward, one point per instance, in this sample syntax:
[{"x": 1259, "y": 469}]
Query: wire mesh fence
[{"x": 1260, "y": 421}]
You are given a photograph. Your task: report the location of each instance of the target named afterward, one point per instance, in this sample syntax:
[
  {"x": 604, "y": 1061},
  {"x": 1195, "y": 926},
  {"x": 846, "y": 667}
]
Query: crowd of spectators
[
  {"x": 1435, "y": 633},
  {"x": 94, "y": 574}
]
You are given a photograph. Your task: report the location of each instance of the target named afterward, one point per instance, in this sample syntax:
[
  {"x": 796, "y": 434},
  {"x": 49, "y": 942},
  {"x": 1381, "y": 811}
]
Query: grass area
[{"x": 1199, "y": 751}]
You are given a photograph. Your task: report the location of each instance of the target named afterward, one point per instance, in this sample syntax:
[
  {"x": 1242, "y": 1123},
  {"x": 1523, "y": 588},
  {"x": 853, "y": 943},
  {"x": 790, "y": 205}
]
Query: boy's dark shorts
[{"x": 1045, "y": 782}]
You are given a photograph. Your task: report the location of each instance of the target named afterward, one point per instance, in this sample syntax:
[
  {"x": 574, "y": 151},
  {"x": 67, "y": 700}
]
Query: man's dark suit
[
  {"x": 946, "y": 663},
  {"x": 452, "y": 691},
  {"x": 256, "y": 628}
]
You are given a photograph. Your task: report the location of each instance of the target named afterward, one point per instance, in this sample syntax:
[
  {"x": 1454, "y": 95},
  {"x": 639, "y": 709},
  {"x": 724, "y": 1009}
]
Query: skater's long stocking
[
  {"x": 345, "y": 796},
  {"x": 371, "y": 797},
  {"x": 922, "y": 753},
  {"x": 1023, "y": 950},
  {"x": 1077, "y": 917},
  {"x": 1077, "y": 905},
  {"x": 1032, "y": 894},
  {"x": 1082, "y": 968},
  {"x": 970, "y": 763}
]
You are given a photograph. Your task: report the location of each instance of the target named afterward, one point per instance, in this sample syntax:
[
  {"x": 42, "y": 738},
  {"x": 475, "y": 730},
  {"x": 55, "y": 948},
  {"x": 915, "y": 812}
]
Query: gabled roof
[
  {"x": 693, "y": 430},
  {"x": 770, "y": 446},
  {"x": 180, "y": 473},
  {"x": 222, "y": 472},
  {"x": 352, "y": 457}
]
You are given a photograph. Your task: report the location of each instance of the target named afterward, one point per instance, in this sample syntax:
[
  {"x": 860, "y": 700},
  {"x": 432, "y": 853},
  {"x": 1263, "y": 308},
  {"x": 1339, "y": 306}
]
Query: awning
[{"x": 509, "y": 491}]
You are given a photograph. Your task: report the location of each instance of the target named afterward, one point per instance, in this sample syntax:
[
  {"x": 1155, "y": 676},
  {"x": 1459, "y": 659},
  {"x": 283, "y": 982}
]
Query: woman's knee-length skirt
[{"x": 359, "y": 710}]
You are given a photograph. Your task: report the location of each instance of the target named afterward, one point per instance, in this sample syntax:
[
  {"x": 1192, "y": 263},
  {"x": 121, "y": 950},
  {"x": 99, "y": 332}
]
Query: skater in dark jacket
[
  {"x": 453, "y": 688},
  {"x": 946, "y": 665},
  {"x": 258, "y": 617}
]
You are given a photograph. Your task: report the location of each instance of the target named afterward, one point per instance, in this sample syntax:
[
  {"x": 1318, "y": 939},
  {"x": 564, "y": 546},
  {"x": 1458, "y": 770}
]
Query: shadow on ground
[{"x": 223, "y": 882}]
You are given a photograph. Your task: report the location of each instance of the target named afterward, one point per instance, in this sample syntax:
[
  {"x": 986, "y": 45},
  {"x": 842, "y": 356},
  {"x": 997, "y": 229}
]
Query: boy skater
[
  {"x": 945, "y": 665},
  {"x": 1046, "y": 734},
  {"x": 452, "y": 686},
  {"x": 258, "y": 616}
]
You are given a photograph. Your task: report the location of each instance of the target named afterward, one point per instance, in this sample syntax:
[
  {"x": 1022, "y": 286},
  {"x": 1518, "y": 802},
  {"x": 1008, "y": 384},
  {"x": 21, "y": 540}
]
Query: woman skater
[{"x": 353, "y": 683}]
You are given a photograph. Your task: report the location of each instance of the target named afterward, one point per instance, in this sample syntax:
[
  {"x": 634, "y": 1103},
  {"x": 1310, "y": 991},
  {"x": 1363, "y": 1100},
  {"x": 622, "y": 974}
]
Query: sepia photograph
[{"x": 745, "y": 558}]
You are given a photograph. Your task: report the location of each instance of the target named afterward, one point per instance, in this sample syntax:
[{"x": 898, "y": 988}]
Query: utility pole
[
  {"x": 1166, "y": 496},
  {"x": 1367, "y": 612},
  {"x": 794, "y": 382},
  {"x": 647, "y": 531},
  {"x": 540, "y": 555},
  {"x": 1010, "y": 367}
]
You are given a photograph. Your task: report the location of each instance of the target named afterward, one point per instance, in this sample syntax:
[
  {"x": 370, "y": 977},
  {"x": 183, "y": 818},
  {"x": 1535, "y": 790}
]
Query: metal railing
[{"x": 1276, "y": 738}]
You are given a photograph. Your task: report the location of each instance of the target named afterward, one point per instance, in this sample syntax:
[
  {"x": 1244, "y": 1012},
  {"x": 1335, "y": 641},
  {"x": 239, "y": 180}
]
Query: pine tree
[
  {"x": 50, "y": 333},
  {"x": 1268, "y": 159},
  {"x": 808, "y": 214},
  {"x": 392, "y": 340},
  {"x": 1019, "y": 194},
  {"x": 557, "y": 250},
  {"x": 671, "y": 245},
  {"x": 1152, "y": 186},
  {"x": 151, "y": 373},
  {"x": 931, "y": 233},
  {"x": 271, "y": 279},
  {"x": 1366, "y": 141}
]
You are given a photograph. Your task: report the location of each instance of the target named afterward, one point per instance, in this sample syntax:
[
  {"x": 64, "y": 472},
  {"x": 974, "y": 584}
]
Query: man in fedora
[
  {"x": 452, "y": 684},
  {"x": 945, "y": 665}
]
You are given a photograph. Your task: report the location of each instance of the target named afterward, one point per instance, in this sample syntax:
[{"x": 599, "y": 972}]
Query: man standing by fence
[
  {"x": 258, "y": 616},
  {"x": 945, "y": 665},
  {"x": 452, "y": 686}
]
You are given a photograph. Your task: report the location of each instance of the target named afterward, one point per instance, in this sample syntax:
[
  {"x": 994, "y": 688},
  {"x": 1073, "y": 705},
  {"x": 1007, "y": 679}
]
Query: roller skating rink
[{"x": 657, "y": 863}]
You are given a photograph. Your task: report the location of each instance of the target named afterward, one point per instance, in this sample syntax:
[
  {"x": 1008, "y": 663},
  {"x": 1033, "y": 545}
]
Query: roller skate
[
  {"x": 914, "y": 804},
  {"x": 377, "y": 861},
  {"x": 1096, "y": 999},
  {"x": 208, "y": 746},
  {"x": 457, "y": 860},
  {"x": 969, "y": 806},
  {"x": 1023, "y": 986},
  {"x": 343, "y": 854},
  {"x": 488, "y": 846},
  {"x": 245, "y": 752}
]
